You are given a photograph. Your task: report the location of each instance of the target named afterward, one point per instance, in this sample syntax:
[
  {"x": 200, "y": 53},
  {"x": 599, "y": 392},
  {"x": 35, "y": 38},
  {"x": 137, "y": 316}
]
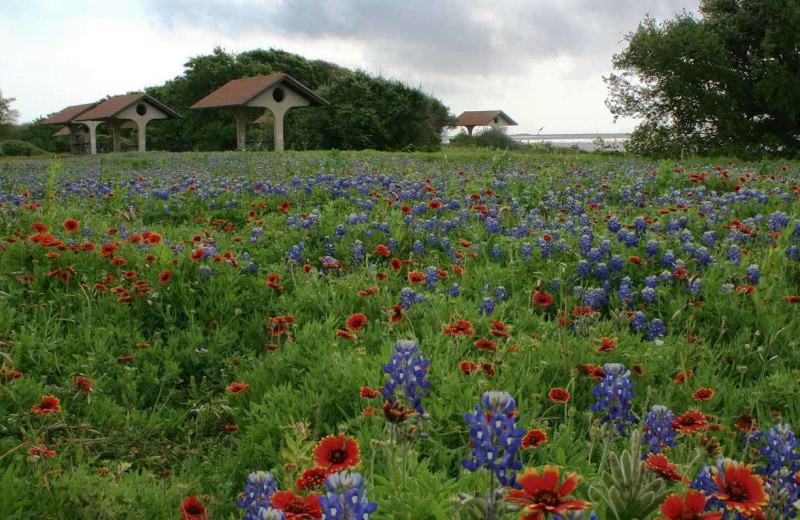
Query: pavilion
[
  {"x": 130, "y": 111},
  {"x": 493, "y": 118},
  {"x": 249, "y": 98},
  {"x": 78, "y": 132}
]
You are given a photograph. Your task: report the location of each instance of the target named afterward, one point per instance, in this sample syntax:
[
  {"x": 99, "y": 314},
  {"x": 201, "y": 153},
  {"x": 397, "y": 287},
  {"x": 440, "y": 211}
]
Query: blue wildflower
[
  {"x": 257, "y": 493},
  {"x": 614, "y": 395},
  {"x": 346, "y": 498},
  {"x": 658, "y": 430}
]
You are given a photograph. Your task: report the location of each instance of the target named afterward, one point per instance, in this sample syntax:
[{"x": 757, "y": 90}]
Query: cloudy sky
[{"x": 541, "y": 61}]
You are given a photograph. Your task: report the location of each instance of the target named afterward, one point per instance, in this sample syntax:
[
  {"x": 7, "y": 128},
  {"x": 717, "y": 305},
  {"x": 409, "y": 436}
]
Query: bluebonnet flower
[
  {"x": 709, "y": 238},
  {"x": 206, "y": 271},
  {"x": 777, "y": 221},
  {"x": 651, "y": 281},
  {"x": 594, "y": 255},
  {"x": 496, "y": 252},
  {"x": 584, "y": 244},
  {"x": 526, "y": 251},
  {"x": 454, "y": 290},
  {"x": 754, "y": 274},
  {"x": 668, "y": 259},
  {"x": 614, "y": 224},
  {"x": 652, "y": 248},
  {"x": 495, "y": 437},
  {"x": 500, "y": 293},
  {"x": 639, "y": 322},
  {"x": 358, "y": 252},
  {"x": 658, "y": 329},
  {"x": 595, "y": 298},
  {"x": 616, "y": 263},
  {"x": 492, "y": 225},
  {"x": 649, "y": 295},
  {"x": 658, "y": 430},
  {"x": 407, "y": 371},
  {"x": 487, "y": 306},
  {"x": 695, "y": 286},
  {"x": 431, "y": 277},
  {"x": 418, "y": 247},
  {"x": 779, "y": 449},
  {"x": 734, "y": 255},
  {"x": 601, "y": 271},
  {"x": 408, "y": 297},
  {"x": 583, "y": 269},
  {"x": 640, "y": 224},
  {"x": 792, "y": 252},
  {"x": 295, "y": 254},
  {"x": 614, "y": 395},
  {"x": 346, "y": 498},
  {"x": 392, "y": 244},
  {"x": 545, "y": 247},
  {"x": 257, "y": 493}
]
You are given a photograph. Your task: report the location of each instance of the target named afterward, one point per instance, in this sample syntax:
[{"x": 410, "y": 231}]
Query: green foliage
[
  {"x": 8, "y": 116},
  {"x": 365, "y": 112},
  {"x": 17, "y": 148},
  {"x": 492, "y": 138},
  {"x": 726, "y": 83},
  {"x": 628, "y": 489}
]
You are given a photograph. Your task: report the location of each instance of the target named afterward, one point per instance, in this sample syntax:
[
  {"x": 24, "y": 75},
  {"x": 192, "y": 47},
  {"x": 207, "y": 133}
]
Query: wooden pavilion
[{"x": 491, "y": 118}]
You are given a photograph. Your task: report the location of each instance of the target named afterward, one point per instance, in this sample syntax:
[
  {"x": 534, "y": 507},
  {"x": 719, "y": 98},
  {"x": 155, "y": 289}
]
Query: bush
[
  {"x": 492, "y": 138},
  {"x": 16, "y": 148}
]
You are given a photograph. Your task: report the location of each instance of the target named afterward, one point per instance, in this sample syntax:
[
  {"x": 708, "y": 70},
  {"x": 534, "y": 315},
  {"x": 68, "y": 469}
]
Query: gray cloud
[{"x": 453, "y": 37}]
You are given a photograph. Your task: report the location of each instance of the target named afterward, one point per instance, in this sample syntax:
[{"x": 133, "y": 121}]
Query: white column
[
  {"x": 241, "y": 127},
  {"x": 141, "y": 132},
  {"x": 92, "y": 126},
  {"x": 116, "y": 134},
  {"x": 278, "y": 126}
]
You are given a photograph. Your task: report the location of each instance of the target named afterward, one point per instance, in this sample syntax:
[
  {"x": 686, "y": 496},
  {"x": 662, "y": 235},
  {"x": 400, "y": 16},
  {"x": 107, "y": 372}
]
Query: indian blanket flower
[
  {"x": 559, "y": 395},
  {"x": 311, "y": 479},
  {"x": 541, "y": 494},
  {"x": 495, "y": 437},
  {"x": 356, "y": 322},
  {"x": 690, "y": 507},
  {"x": 542, "y": 299},
  {"x": 614, "y": 395},
  {"x": 237, "y": 388},
  {"x": 407, "y": 371},
  {"x": 49, "y": 404},
  {"x": 658, "y": 430},
  {"x": 733, "y": 486},
  {"x": 258, "y": 491},
  {"x": 192, "y": 509},
  {"x": 533, "y": 439},
  {"x": 295, "y": 507},
  {"x": 689, "y": 422},
  {"x": 661, "y": 465},
  {"x": 336, "y": 453},
  {"x": 71, "y": 225},
  {"x": 704, "y": 394},
  {"x": 346, "y": 498}
]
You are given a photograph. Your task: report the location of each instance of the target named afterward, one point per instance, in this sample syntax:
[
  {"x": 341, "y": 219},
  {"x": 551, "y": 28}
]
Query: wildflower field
[{"x": 459, "y": 335}]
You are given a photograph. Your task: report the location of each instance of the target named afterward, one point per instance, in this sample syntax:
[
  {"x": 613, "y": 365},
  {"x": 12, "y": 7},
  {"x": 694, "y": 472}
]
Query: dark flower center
[
  {"x": 688, "y": 515},
  {"x": 296, "y": 506},
  {"x": 738, "y": 492},
  {"x": 548, "y": 498},
  {"x": 688, "y": 421},
  {"x": 195, "y": 509},
  {"x": 338, "y": 456}
]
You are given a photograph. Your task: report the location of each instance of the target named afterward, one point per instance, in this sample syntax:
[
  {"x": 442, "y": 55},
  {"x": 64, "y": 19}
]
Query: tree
[
  {"x": 8, "y": 116},
  {"x": 728, "y": 82}
]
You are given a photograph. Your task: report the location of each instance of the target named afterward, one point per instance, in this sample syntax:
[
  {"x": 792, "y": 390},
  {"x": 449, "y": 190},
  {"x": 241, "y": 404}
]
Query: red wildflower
[
  {"x": 84, "y": 383},
  {"x": 741, "y": 490},
  {"x": 345, "y": 334},
  {"x": 590, "y": 370},
  {"x": 295, "y": 507},
  {"x": 607, "y": 345},
  {"x": 71, "y": 225},
  {"x": 285, "y": 205},
  {"x": 41, "y": 450},
  {"x": 683, "y": 376},
  {"x": 153, "y": 238},
  {"x": 499, "y": 329},
  {"x": 49, "y": 404},
  {"x": 39, "y": 227},
  {"x": 660, "y": 464},
  {"x": 541, "y": 494},
  {"x": 793, "y": 299},
  {"x": 396, "y": 313},
  {"x": 688, "y": 508},
  {"x": 337, "y": 453},
  {"x": 311, "y": 479},
  {"x": 434, "y": 204},
  {"x": 369, "y": 392},
  {"x": 383, "y": 251},
  {"x": 415, "y": 277},
  {"x": 689, "y": 422},
  {"x": 559, "y": 395},
  {"x": 746, "y": 423},
  {"x": 165, "y": 276},
  {"x": 192, "y": 509},
  {"x": 356, "y": 322},
  {"x": 237, "y": 388},
  {"x": 533, "y": 439},
  {"x": 197, "y": 255},
  {"x": 396, "y": 264},
  {"x": 704, "y": 394},
  {"x": 542, "y": 299},
  {"x": 461, "y": 327},
  {"x": 485, "y": 344},
  {"x": 468, "y": 367}
]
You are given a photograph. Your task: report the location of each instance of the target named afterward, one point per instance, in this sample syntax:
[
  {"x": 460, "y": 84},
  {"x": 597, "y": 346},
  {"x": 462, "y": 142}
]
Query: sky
[{"x": 540, "y": 61}]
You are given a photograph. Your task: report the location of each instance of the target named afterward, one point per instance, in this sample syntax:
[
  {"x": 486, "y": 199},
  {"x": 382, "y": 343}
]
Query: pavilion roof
[
  {"x": 238, "y": 92},
  {"x": 109, "y": 108},
  {"x": 483, "y": 118},
  {"x": 67, "y": 115}
]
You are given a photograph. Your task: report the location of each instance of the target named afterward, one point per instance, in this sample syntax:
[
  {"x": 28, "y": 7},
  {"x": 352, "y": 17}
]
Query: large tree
[
  {"x": 8, "y": 116},
  {"x": 726, "y": 82}
]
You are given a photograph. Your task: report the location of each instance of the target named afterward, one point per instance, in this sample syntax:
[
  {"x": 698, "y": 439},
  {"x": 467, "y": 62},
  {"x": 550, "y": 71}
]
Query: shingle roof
[
  {"x": 113, "y": 106},
  {"x": 64, "y": 131},
  {"x": 482, "y": 118},
  {"x": 238, "y": 92},
  {"x": 67, "y": 115}
]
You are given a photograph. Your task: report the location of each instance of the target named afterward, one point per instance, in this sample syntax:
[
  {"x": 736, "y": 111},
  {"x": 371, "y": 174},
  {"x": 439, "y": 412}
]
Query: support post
[
  {"x": 141, "y": 134},
  {"x": 92, "y": 126},
  {"x": 278, "y": 127},
  {"x": 116, "y": 134},
  {"x": 469, "y": 129},
  {"x": 241, "y": 128}
]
